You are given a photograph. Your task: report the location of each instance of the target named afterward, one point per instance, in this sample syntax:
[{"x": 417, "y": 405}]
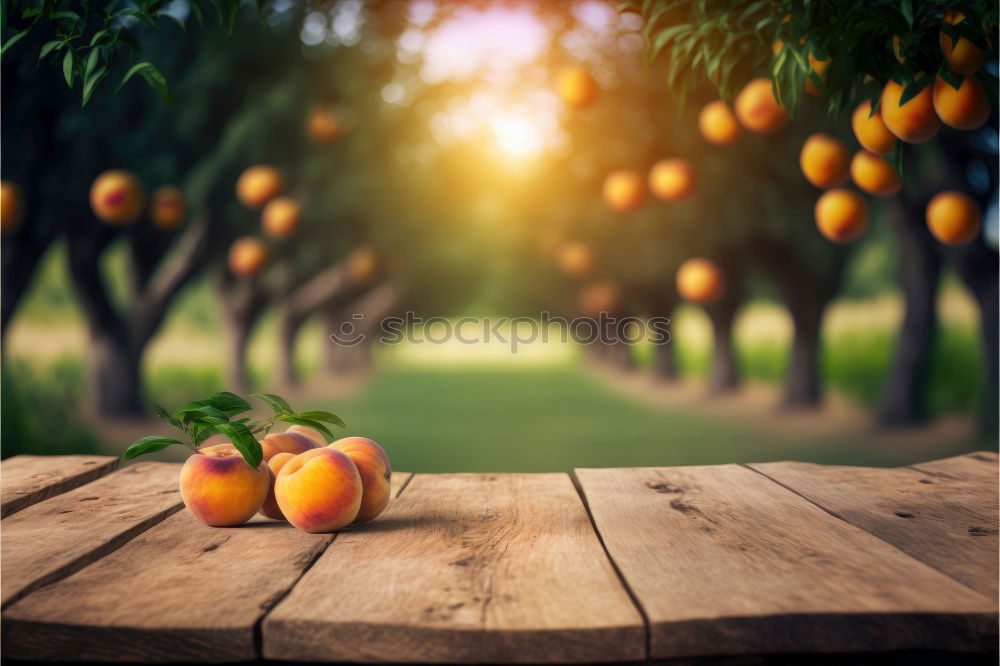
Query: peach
[
  {"x": 117, "y": 197},
  {"x": 247, "y": 256},
  {"x": 593, "y": 299},
  {"x": 319, "y": 490},
  {"x": 220, "y": 488},
  {"x": 376, "y": 474},
  {"x": 323, "y": 125},
  {"x": 286, "y": 442},
  {"x": 258, "y": 185},
  {"x": 270, "y": 507},
  {"x": 10, "y": 206},
  {"x": 281, "y": 217},
  {"x": 624, "y": 190},
  {"x": 362, "y": 265},
  {"x": 167, "y": 207},
  {"x": 576, "y": 87},
  {"x": 311, "y": 433}
]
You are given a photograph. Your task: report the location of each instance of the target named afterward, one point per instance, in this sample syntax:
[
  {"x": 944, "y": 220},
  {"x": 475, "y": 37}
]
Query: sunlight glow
[{"x": 517, "y": 136}]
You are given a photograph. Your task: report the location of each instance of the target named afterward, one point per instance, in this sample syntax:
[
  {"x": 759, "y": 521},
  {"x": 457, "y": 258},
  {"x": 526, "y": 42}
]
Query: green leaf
[
  {"x": 92, "y": 58},
  {"x": 913, "y": 89},
  {"x": 277, "y": 403},
  {"x": 201, "y": 430},
  {"x": 149, "y": 444},
  {"x": 90, "y": 84},
  {"x": 14, "y": 40},
  {"x": 49, "y": 47},
  {"x": 65, "y": 14},
  {"x": 164, "y": 414},
  {"x": 244, "y": 441},
  {"x": 298, "y": 420},
  {"x": 68, "y": 67},
  {"x": 227, "y": 402},
  {"x": 319, "y": 415}
]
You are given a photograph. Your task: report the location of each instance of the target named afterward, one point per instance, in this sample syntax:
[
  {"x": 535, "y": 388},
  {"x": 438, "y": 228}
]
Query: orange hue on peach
[
  {"x": 700, "y": 281},
  {"x": 873, "y": 174},
  {"x": 270, "y": 507},
  {"x": 319, "y": 490},
  {"x": 362, "y": 265},
  {"x": 953, "y": 217},
  {"x": 966, "y": 108},
  {"x": 824, "y": 160},
  {"x": 167, "y": 207},
  {"x": 220, "y": 488},
  {"x": 841, "y": 215},
  {"x": 247, "y": 256},
  {"x": 285, "y": 442},
  {"x": 577, "y": 87},
  {"x": 915, "y": 121},
  {"x": 376, "y": 474},
  {"x": 323, "y": 126},
  {"x": 671, "y": 180},
  {"x": 117, "y": 197},
  {"x": 964, "y": 57},
  {"x": 718, "y": 124},
  {"x": 758, "y": 109},
  {"x": 870, "y": 131},
  {"x": 258, "y": 185},
  {"x": 575, "y": 259},
  {"x": 281, "y": 217},
  {"x": 315, "y": 435},
  {"x": 819, "y": 67},
  {"x": 624, "y": 190},
  {"x": 10, "y": 207}
]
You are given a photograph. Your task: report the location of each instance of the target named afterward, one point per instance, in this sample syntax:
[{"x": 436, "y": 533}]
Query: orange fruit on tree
[
  {"x": 824, "y": 160},
  {"x": 167, "y": 207},
  {"x": 671, "y": 179},
  {"x": 247, "y": 256},
  {"x": 841, "y": 215},
  {"x": 624, "y": 190},
  {"x": 117, "y": 197},
  {"x": 913, "y": 122},
  {"x": 10, "y": 206},
  {"x": 873, "y": 174},
  {"x": 819, "y": 67},
  {"x": 718, "y": 124},
  {"x": 700, "y": 281},
  {"x": 953, "y": 217},
  {"x": 870, "y": 131},
  {"x": 964, "y": 57},
  {"x": 362, "y": 265},
  {"x": 258, "y": 185},
  {"x": 323, "y": 125},
  {"x": 596, "y": 298},
  {"x": 576, "y": 87},
  {"x": 757, "y": 108},
  {"x": 966, "y": 108},
  {"x": 281, "y": 217},
  {"x": 575, "y": 259}
]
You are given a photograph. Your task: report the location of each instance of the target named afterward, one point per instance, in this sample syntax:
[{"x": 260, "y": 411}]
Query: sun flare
[{"x": 517, "y": 136}]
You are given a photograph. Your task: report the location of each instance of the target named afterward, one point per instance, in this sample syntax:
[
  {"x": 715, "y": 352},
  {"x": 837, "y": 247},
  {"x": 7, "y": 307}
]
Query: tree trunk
[
  {"x": 660, "y": 302},
  {"x": 903, "y": 403},
  {"x": 237, "y": 372},
  {"x": 724, "y": 376},
  {"x": 288, "y": 328},
  {"x": 802, "y": 387}
]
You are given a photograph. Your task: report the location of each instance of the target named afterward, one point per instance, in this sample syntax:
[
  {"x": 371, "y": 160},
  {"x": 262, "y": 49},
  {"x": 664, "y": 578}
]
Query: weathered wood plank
[
  {"x": 942, "y": 513},
  {"x": 180, "y": 592},
  {"x": 486, "y": 568},
  {"x": 55, "y": 538},
  {"x": 28, "y": 480},
  {"x": 725, "y": 561}
]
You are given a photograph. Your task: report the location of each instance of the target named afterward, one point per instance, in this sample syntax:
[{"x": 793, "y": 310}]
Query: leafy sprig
[{"x": 213, "y": 415}]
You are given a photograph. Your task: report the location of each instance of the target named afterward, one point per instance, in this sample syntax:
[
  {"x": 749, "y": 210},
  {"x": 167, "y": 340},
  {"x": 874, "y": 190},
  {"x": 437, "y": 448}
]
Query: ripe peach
[
  {"x": 870, "y": 131},
  {"x": 376, "y": 474},
  {"x": 596, "y": 298},
  {"x": 577, "y": 87},
  {"x": 313, "y": 434},
  {"x": 758, "y": 109},
  {"x": 820, "y": 67},
  {"x": 323, "y": 125},
  {"x": 10, "y": 206},
  {"x": 966, "y": 108},
  {"x": 167, "y": 207},
  {"x": 953, "y": 217},
  {"x": 247, "y": 256},
  {"x": 700, "y": 281},
  {"x": 671, "y": 180},
  {"x": 270, "y": 507},
  {"x": 965, "y": 57},
  {"x": 624, "y": 190},
  {"x": 718, "y": 124},
  {"x": 319, "y": 490},
  {"x": 362, "y": 265},
  {"x": 873, "y": 174},
  {"x": 220, "y": 488},
  {"x": 575, "y": 259},
  {"x": 915, "y": 121},
  {"x": 841, "y": 215},
  {"x": 258, "y": 185},
  {"x": 285, "y": 442},
  {"x": 117, "y": 197},
  {"x": 281, "y": 217},
  {"x": 824, "y": 160}
]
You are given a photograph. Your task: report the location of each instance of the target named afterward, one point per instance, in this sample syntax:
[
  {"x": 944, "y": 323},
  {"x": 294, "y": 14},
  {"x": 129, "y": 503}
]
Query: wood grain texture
[
  {"x": 490, "y": 568},
  {"x": 725, "y": 561},
  {"x": 28, "y": 480},
  {"x": 942, "y": 513},
  {"x": 55, "y": 538}
]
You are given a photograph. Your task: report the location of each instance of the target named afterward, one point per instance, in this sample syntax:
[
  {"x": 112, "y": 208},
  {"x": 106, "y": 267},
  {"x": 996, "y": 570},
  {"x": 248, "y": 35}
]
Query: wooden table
[{"x": 608, "y": 565}]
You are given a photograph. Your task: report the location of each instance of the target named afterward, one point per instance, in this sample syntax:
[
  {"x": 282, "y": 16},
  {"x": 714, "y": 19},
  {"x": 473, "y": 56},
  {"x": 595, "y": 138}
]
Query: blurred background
[{"x": 450, "y": 159}]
